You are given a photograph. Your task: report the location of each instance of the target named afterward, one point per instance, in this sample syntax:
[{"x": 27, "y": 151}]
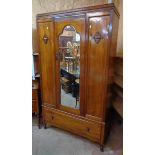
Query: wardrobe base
[{"x": 79, "y": 125}]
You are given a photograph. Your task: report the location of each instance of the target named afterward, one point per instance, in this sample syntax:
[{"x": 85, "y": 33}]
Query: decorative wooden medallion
[
  {"x": 45, "y": 39},
  {"x": 97, "y": 37}
]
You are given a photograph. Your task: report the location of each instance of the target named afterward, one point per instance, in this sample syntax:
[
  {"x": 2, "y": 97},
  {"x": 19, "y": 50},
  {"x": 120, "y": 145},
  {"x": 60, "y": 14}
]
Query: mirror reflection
[{"x": 69, "y": 49}]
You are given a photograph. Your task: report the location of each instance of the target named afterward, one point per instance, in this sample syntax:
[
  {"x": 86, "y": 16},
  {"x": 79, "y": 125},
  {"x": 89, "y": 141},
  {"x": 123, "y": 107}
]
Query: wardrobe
[{"x": 76, "y": 51}]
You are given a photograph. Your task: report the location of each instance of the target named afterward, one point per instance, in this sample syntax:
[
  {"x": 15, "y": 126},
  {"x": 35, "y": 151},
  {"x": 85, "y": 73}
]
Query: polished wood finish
[
  {"x": 47, "y": 59},
  {"x": 96, "y": 64},
  {"x": 98, "y": 27},
  {"x": 83, "y": 127},
  {"x": 79, "y": 11}
]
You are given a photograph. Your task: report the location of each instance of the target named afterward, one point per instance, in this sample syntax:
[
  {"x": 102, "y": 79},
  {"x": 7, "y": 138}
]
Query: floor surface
[{"x": 54, "y": 141}]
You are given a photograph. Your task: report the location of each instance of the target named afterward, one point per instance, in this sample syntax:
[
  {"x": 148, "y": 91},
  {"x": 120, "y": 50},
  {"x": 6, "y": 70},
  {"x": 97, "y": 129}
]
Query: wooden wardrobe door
[
  {"x": 47, "y": 60},
  {"x": 96, "y": 65},
  {"x": 79, "y": 25}
]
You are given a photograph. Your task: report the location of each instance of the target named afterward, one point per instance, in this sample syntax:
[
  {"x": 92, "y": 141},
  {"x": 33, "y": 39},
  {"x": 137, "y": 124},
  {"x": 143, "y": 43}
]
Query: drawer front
[
  {"x": 78, "y": 126},
  {"x": 34, "y": 96}
]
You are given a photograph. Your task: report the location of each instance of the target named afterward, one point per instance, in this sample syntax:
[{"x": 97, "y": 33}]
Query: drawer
[
  {"x": 34, "y": 95},
  {"x": 73, "y": 124}
]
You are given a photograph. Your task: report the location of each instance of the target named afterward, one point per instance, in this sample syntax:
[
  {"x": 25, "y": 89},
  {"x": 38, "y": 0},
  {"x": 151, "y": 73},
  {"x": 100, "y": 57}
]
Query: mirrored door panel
[{"x": 69, "y": 54}]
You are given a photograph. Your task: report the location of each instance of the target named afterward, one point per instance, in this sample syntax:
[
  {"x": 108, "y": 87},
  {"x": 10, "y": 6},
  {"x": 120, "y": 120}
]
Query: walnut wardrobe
[{"x": 76, "y": 50}]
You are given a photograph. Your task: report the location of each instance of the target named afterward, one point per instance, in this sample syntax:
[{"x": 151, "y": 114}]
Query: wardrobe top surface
[{"x": 80, "y": 10}]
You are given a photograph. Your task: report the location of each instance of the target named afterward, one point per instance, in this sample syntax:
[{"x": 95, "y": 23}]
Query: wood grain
[
  {"x": 47, "y": 61},
  {"x": 96, "y": 64},
  {"x": 73, "y": 124}
]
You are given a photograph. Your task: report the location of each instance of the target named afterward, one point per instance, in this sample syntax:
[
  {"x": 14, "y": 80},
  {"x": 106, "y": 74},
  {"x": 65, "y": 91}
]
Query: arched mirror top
[{"x": 70, "y": 31}]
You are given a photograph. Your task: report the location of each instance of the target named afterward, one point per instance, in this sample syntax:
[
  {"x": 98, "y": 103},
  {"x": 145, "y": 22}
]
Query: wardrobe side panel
[{"x": 47, "y": 63}]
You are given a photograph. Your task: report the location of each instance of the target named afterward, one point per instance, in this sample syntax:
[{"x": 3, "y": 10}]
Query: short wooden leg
[
  {"x": 102, "y": 139},
  {"x": 101, "y": 148},
  {"x": 76, "y": 103},
  {"x": 45, "y": 126},
  {"x": 39, "y": 126}
]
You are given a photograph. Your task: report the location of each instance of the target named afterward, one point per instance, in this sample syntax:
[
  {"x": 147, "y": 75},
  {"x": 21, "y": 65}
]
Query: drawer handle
[{"x": 88, "y": 129}]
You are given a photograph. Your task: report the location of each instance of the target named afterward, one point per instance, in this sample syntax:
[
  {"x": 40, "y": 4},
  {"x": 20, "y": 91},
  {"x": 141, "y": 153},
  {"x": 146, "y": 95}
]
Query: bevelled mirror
[{"x": 69, "y": 50}]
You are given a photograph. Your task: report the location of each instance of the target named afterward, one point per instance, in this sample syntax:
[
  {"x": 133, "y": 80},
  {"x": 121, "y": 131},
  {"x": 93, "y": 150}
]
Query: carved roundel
[
  {"x": 97, "y": 37},
  {"x": 45, "y": 39}
]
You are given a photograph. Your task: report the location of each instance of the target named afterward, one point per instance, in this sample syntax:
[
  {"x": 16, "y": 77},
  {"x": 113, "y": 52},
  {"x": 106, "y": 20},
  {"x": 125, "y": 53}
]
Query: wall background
[{"x": 43, "y": 6}]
